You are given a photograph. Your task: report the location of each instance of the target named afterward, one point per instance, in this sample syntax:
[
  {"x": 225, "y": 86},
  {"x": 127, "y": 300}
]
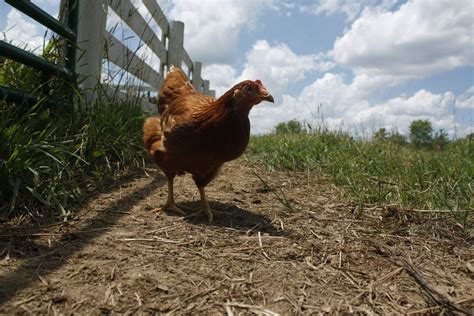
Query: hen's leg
[
  {"x": 201, "y": 182},
  {"x": 204, "y": 205},
  {"x": 170, "y": 204}
]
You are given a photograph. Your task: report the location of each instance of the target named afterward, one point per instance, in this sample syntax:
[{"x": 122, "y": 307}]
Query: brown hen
[{"x": 196, "y": 133}]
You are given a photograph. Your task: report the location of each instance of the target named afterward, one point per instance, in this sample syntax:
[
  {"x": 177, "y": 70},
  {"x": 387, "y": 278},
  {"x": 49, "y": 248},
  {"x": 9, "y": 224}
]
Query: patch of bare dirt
[{"x": 258, "y": 257}]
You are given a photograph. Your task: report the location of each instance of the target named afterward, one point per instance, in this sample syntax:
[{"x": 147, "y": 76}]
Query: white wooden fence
[{"x": 96, "y": 43}]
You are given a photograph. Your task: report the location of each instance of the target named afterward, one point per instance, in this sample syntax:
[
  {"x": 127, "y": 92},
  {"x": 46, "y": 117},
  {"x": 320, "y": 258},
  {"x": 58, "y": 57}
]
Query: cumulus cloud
[
  {"x": 329, "y": 101},
  {"x": 383, "y": 49},
  {"x": 466, "y": 100},
  {"x": 420, "y": 39},
  {"x": 212, "y": 27},
  {"x": 276, "y": 65},
  {"x": 401, "y": 111},
  {"x": 221, "y": 77}
]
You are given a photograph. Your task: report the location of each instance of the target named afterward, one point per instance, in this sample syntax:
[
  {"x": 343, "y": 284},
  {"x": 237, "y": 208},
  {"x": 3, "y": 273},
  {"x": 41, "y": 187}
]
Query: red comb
[{"x": 258, "y": 81}]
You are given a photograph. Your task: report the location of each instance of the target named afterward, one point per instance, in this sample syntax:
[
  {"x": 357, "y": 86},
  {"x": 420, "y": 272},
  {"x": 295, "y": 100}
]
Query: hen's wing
[
  {"x": 182, "y": 113},
  {"x": 175, "y": 85}
]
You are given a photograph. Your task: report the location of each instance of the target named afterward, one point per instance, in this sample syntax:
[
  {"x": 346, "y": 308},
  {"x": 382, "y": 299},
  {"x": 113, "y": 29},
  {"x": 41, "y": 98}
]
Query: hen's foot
[
  {"x": 207, "y": 211},
  {"x": 169, "y": 207},
  {"x": 187, "y": 208},
  {"x": 213, "y": 211}
]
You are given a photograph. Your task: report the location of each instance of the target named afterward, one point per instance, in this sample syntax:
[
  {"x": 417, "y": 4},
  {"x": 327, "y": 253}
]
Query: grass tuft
[
  {"x": 377, "y": 172},
  {"x": 47, "y": 160},
  {"x": 50, "y": 155}
]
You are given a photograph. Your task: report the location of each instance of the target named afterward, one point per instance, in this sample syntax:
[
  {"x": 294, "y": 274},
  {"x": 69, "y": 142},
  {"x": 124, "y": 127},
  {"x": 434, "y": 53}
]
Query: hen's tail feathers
[
  {"x": 151, "y": 132},
  {"x": 175, "y": 85}
]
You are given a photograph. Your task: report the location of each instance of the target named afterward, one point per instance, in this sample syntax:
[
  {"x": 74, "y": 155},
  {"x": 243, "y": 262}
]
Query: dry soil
[{"x": 283, "y": 244}]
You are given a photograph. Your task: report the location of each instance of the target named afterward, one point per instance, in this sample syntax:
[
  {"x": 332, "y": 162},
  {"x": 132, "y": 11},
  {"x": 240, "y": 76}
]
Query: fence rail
[
  {"x": 172, "y": 33},
  {"x": 88, "y": 43},
  {"x": 29, "y": 59},
  {"x": 14, "y": 53},
  {"x": 43, "y": 18}
]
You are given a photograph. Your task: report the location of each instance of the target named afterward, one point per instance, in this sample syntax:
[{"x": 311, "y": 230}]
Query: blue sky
[{"x": 364, "y": 64}]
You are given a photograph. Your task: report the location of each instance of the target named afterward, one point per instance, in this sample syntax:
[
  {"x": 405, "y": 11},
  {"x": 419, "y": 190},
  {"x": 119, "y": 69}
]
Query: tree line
[{"x": 421, "y": 134}]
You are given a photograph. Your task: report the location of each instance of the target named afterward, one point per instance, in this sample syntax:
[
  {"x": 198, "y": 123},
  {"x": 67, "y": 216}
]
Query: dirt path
[{"x": 257, "y": 257}]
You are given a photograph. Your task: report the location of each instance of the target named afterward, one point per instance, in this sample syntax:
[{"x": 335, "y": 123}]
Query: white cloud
[
  {"x": 277, "y": 66},
  {"x": 335, "y": 95},
  {"x": 442, "y": 110},
  {"x": 351, "y": 8},
  {"x": 420, "y": 39},
  {"x": 23, "y": 32},
  {"x": 401, "y": 111},
  {"x": 221, "y": 77},
  {"x": 328, "y": 98},
  {"x": 336, "y": 104},
  {"x": 384, "y": 49},
  {"x": 334, "y": 100},
  {"x": 212, "y": 27},
  {"x": 466, "y": 100}
]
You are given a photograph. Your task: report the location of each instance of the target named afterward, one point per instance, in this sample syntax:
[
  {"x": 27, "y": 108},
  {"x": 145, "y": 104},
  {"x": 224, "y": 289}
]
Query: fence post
[
  {"x": 206, "y": 90},
  {"x": 205, "y": 87},
  {"x": 197, "y": 80},
  {"x": 175, "y": 44},
  {"x": 164, "y": 61},
  {"x": 90, "y": 42}
]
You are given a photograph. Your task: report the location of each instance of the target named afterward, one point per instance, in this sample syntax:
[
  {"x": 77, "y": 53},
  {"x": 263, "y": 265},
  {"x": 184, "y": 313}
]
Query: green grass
[
  {"x": 376, "y": 172},
  {"x": 48, "y": 157}
]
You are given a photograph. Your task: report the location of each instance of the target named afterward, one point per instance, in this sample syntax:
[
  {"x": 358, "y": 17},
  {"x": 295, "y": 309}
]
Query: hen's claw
[
  {"x": 170, "y": 204},
  {"x": 207, "y": 211},
  {"x": 169, "y": 207}
]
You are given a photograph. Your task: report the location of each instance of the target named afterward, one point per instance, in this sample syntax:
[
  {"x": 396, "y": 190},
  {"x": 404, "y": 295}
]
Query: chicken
[{"x": 196, "y": 133}]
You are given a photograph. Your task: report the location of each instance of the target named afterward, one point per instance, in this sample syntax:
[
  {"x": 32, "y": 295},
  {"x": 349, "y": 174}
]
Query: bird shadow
[{"x": 229, "y": 215}]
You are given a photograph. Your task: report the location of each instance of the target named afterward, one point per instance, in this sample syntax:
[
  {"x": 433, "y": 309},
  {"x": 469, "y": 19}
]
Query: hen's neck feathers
[{"x": 223, "y": 109}]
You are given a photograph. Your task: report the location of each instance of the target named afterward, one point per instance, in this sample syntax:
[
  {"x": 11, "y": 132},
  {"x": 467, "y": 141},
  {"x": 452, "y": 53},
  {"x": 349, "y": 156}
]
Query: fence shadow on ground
[
  {"x": 48, "y": 260},
  {"x": 28, "y": 229}
]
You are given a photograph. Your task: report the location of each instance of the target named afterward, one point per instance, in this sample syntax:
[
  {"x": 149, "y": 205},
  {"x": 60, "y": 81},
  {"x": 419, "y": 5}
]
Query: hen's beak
[
  {"x": 268, "y": 98},
  {"x": 265, "y": 96}
]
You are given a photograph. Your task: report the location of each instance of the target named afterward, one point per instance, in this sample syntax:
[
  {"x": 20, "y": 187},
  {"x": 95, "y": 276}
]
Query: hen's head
[{"x": 250, "y": 92}]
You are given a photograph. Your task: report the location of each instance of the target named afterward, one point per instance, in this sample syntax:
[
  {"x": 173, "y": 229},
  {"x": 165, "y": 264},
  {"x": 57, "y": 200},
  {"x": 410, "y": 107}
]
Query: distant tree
[
  {"x": 381, "y": 134},
  {"x": 421, "y": 133},
  {"x": 290, "y": 127},
  {"x": 440, "y": 139},
  {"x": 396, "y": 138}
]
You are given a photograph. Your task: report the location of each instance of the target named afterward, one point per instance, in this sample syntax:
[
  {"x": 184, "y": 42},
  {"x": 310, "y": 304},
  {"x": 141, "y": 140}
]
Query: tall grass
[
  {"x": 47, "y": 160},
  {"x": 50, "y": 155},
  {"x": 375, "y": 172}
]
